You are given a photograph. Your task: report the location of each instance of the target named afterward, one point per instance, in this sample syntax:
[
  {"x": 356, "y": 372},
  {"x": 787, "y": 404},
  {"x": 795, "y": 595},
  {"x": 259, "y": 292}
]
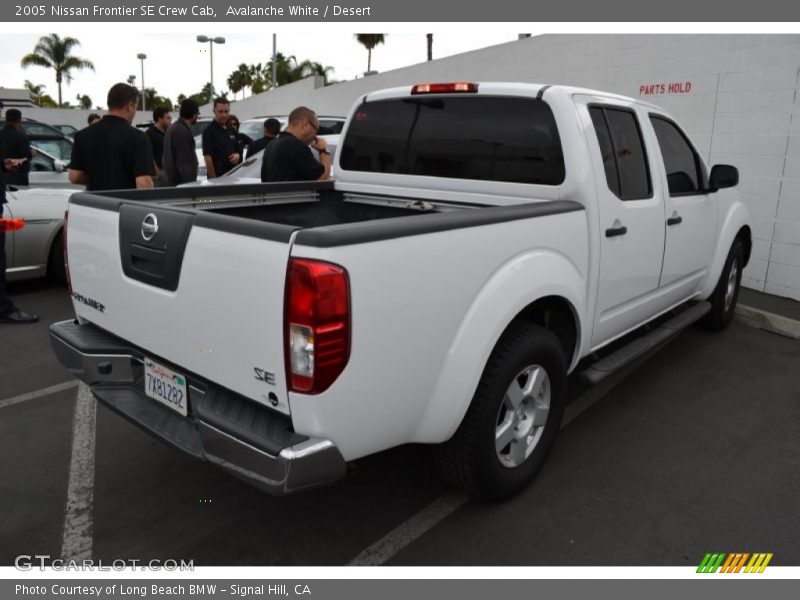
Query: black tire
[
  {"x": 56, "y": 268},
  {"x": 721, "y": 313},
  {"x": 470, "y": 460}
]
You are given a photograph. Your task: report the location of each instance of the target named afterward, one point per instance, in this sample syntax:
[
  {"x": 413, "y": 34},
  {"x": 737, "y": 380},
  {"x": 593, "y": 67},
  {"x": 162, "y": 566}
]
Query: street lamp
[
  {"x": 211, "y": 41},
  {"x": 141, "y": 57}
]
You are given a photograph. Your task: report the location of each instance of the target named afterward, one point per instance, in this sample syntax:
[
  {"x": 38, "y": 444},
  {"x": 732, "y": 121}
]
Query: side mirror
[
  {"x": 723, "y": 176},
  {"x": 60, "y": 166}
]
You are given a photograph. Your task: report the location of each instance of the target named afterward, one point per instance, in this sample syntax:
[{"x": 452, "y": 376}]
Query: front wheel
[
  {"x": 723, "y": 300},
  {"x": 513, "y": 419}
]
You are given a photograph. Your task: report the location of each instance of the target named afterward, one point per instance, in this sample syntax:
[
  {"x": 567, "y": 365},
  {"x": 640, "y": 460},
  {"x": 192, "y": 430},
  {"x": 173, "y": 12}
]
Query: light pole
[
  {"x": 141, "y": 57},
  {"x": 211, "y": 41}
]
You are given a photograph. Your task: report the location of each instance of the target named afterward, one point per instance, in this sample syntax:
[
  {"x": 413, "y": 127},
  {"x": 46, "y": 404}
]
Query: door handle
[
  {"x": 614, "y": 231},
  {"x": 674, "y": 220}
]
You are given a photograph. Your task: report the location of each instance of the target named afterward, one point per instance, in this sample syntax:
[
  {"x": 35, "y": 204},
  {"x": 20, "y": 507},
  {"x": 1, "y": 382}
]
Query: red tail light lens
[
  {"x": 461, "y": 87},
  {"x": 11, "y": 224},
  {"x": 317, "y": 324}
]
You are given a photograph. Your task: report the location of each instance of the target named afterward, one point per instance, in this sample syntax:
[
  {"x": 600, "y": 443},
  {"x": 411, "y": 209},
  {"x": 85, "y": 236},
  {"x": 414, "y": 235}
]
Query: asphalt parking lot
[{"x": 694, "y": 450}]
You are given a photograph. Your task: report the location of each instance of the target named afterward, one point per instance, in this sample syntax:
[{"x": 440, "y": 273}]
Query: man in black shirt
[
  {"x": 180, "y": 156},
  {"x": 162, "y": 119},
  {"x": 289, "y": 157},
  {"x": 112, "y": 155},
  {"x": 15, "y": 144},
  {"x": 272, "y": 127},
  {"x": 219, "y": 142}
]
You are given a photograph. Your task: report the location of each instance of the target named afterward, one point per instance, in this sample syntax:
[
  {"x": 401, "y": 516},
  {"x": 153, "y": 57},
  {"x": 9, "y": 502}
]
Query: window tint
[
  {"x": 606, "y": 149},
  {"x": 683, "y": 165},
  {"x": 624, "y": 156},
  {"x": 330, "y": 126},
  {"x": 486, "y": 138}
]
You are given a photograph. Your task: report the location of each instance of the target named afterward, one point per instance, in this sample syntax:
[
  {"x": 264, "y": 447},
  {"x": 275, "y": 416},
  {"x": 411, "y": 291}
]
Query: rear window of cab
[{"x": 467, "y": 137}]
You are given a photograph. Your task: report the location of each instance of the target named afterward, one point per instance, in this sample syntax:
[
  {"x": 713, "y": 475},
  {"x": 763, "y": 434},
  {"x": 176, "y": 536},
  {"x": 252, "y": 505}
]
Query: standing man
[
  {"x": 272, "y": 127},
  {"x": 162, "y": 119},
  {"x": 15, "y": 144},
  {"x": 180, "y": 152},
  {"x": 219, "y": 142},
  {"x": 289, "y": 157},
  {"x": 9, "y": 313},
  {"x": 112, "y": 155}
]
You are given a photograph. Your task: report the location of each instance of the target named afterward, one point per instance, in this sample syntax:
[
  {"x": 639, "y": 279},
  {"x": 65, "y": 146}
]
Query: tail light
[
  {"x": 461, "y": 87},
  {"x": 11, "y": 224},
  {"x": 66, "y": 256},
  {"x": 317, "y": 324}
]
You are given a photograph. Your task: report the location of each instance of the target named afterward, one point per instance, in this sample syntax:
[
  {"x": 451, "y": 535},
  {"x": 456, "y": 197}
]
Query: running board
[{"x": 642, "y": 345}]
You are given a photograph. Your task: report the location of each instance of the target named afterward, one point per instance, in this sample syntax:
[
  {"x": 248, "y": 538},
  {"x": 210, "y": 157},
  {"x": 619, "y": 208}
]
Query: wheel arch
[
  {"x": 510, "y": 297},
  {"x": 735, "y": 226}
]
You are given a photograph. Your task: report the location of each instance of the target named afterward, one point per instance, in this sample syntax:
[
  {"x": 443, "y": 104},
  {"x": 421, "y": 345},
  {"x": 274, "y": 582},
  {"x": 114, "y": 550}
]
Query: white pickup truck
[{"x": 481, "y": 242}]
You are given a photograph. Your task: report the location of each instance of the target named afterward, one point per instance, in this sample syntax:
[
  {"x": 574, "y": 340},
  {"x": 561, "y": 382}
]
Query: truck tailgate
[{"x": 201, "y": 292}]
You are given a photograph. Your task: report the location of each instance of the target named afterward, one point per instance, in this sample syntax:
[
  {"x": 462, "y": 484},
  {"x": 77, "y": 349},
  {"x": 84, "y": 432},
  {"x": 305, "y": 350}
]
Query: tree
[
  {"x": 152, "y": 99},
  {"x": 369, "y": 41},
  {"x": 53, "y": 52},
  {"x": 36, "y": 91},
  {"x": 258, "y": 79},
  {"x": 84, "y": 101},
  {"x": 429, "y": 37},
  {"x": 240, "y": 79},
  {"x": 308, "y": 68}
]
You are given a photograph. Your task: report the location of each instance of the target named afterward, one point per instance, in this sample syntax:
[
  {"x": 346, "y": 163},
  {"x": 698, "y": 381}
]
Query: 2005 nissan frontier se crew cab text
[{"x": 481, "y": 242}]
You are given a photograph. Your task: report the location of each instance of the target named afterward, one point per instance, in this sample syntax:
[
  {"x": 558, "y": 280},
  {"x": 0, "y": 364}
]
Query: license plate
[{"x": 166, "y": 386}]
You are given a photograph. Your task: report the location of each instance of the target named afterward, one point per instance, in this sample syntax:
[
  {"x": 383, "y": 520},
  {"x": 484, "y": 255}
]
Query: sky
[{"x": 177, "y": 64}]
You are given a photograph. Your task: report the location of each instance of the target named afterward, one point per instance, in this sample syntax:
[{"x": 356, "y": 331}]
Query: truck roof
[{"x": 511, "y": 88}]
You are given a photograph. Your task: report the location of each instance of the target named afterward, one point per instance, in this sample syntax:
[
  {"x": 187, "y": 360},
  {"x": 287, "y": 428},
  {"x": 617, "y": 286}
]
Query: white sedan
[{"x": 37, "y": 249}]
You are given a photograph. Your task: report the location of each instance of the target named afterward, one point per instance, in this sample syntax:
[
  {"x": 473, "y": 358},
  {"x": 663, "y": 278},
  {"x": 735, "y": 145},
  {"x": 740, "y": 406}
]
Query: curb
[{"x": 768, "y": 321}]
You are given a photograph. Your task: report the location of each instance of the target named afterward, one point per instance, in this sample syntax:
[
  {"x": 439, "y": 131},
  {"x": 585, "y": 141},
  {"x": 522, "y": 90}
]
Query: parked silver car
[{"x": 37, "y": 249}]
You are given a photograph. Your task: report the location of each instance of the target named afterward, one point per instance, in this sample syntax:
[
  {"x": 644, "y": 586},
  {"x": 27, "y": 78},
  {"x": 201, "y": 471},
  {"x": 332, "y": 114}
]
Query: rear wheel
[
  {"x": 55, "y": 264},
  {"x": 723, "y": 300},
  {"x": 513, "y": 419}
]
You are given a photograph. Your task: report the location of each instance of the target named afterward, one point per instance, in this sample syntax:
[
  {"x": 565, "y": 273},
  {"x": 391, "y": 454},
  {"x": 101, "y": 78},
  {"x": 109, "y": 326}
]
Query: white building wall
[{"x": 743, "y": 108}]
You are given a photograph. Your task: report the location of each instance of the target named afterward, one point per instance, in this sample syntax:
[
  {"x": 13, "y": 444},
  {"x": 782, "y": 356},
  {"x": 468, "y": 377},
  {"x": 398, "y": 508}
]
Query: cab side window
[
  {"x": 622, "y": 148},
  {"x": 685, "y": 172}
]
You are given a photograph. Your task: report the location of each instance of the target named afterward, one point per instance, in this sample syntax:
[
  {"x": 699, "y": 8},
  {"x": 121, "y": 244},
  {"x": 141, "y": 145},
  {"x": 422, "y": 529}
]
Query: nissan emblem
[{"x": 149, "y": 227}]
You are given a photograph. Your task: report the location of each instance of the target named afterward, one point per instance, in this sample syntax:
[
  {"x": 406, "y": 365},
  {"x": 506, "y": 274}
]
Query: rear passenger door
[
  {"x": 631, "y": 220},
  {"x": 691, "y": 212}
]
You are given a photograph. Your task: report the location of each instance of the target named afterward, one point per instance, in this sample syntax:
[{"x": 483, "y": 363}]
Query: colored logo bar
[{"x": 735, "y": 562}]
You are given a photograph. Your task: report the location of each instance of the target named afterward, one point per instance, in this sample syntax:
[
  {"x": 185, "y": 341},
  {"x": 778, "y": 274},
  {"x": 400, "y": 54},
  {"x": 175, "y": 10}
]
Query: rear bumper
[{"x": 247, "y": 439}]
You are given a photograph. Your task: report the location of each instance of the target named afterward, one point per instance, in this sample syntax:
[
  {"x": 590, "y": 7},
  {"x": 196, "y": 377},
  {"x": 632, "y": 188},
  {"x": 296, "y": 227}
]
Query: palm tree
[
  {"x": 240, "y": 79},
  {"x": 258, "y": 78},
  {"x": 36, "y": 91},
  {"x": 430, "y": 45},
  {"x": 84, "y": 101},
  {"x": 369, "y": 41},
  {"x": 53, "y": 52},
  {"x": 309, "y": 68}
]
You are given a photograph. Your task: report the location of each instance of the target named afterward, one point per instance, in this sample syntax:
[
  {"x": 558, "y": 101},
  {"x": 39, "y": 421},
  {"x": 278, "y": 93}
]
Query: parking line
[
  {"x": 76, "y": 542},
  {"x": 60, "y": 387},
  {"x": 400, "y": 537},
  {"x": 441, "y": 508}
]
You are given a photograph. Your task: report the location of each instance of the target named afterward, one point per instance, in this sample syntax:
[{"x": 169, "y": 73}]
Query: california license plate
[{"x": 166, "y": 386}]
